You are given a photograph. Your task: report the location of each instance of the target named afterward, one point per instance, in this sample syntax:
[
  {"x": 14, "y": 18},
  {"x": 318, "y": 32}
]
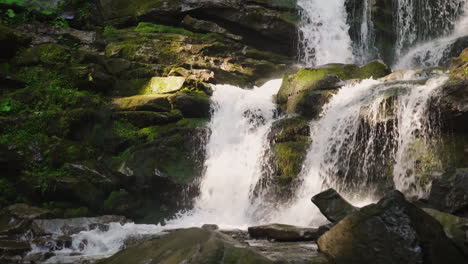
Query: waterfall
[
  {"x": 434, "y": 52},
  {"x": 239, "y": 127},
  {"x": 364, "y": 138},
  {"x": 323, "y": 33}
]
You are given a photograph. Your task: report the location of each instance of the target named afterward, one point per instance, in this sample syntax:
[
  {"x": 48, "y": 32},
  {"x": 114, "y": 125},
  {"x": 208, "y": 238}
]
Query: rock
[
  {"x": 143, "y": 119},
  {"x": 48, "y": 54},
  {"x": 333, "y": 206},
  {"x": 71, "y": 226},
  {"x": 455, "y": 227},
  {"x": 13, "y": 251},
  {"x": 150, "y": 102},
  {"x": 12, "y": 41},
  {"x": 194, "y": 245},
  {"x": 162, "y": 85},
  {"x": 210, "y": 226},
  {"x": 450, "y": 194},
  {"x": 10, "y": 82},
  {"x": 289, "y": 139},
  {"x": 192, "y": 104},
  {"x": 306, "y": 91},
  {"x": 284, "y": 233},
  {"x": 391, "y": 231},
  {"x": 16, "y": 218},
  {"x": 207, "y": 26}
]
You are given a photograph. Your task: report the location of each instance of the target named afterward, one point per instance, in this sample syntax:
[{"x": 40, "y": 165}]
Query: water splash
[{"x": 323, "y": 33}]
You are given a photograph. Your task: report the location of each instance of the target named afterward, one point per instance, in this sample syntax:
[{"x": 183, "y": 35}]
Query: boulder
[
  {"x": 162, "y": 85},
  {"x": 455, "y": 227},
  {"x": 284, "y": 233},
  {"x": 391, "y": 231},
  {"x": 453, "y": 105},
  {"x": 192, "y": 104},
  {"x": 450, "y": 194},
  {"x": 150, "y": 102},
  {"x": 306, "y": 91},
  {"x": 333, "y": 206},
  {"x": 206, "y": 27},
  {"x": 194, "y": 245}
]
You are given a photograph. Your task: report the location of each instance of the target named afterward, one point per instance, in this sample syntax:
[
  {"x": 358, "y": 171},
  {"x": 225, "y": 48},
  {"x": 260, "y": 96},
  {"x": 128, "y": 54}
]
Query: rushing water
[
  {"x": 323, "y": 33},
  {"x": 434, "y": 52}
]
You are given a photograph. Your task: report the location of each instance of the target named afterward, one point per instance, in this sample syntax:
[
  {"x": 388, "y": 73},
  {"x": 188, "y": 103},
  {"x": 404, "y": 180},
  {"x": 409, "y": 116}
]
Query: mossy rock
[
  {"x": 12, "y": 42},
  {"x": 150, "y": 102},
  {"x": 163, "y": 85},
  {"x": 49, "y": 54},
  {"x": 195, "y": 245},
  {"x": 305, "y": 91}
]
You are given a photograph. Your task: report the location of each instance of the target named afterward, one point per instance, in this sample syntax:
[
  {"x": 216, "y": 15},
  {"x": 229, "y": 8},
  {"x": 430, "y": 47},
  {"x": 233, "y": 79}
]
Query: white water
[
  {"x": 336, "y": 139},
  {"x": 432, "y": 53},
  {"x": 324, "y": 36},
  {"x": 366, "y": 38}
]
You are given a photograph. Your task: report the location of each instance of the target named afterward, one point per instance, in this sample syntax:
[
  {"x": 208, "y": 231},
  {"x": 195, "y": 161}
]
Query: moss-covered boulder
[
  {"x": 391, "y": 231},
  {"x": 143, "y": 119},
  {"x": 306, "y": 91},
  {"x": 194, "y": 245},
  {"x": 284, "y": 233},
  {"x": 289, "y": 140},
  {"x": 192, "y": 104},
  {"x": 150, "y": 102}
]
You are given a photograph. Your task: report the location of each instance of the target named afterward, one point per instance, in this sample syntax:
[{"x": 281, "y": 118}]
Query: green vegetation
[{"x": 144, "y": 27}]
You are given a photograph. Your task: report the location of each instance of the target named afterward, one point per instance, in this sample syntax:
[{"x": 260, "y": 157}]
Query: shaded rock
[
  {"x": 450, "y": 194},
  {"x": 194, "y": 245},
  {"x": 207, "y": 26},
  {"x": 16, "y": 218},
  {"x": 11, "y": 41},
  {"x": 285, "y": 233},
  {"x": 333, "y": 206},
  {"x": 150, "y": 102},
  {"x": 391, "y": 231},
  {"x": 13, "y": 251},
  {"x": 142, "y": 119},
  {"x": 71, "y": 226},
  {"x": 162, "y": 85},
  {"x": 453, "y": 106},
  {"x": 455, "y": 227},
  {"x": 10, "y": 82},
  {"x": 192, "y": 104}
]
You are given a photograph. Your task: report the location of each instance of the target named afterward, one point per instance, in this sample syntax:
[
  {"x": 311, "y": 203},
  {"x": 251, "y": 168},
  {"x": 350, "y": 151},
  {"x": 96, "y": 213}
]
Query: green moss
[
  {"x": 144, "y": 27},
  {"x": 288, "y": 159},
  {"x": 375, "y": 69},
  {"x": 76, "y": 212},
  {"x": 118, "y": 201}
]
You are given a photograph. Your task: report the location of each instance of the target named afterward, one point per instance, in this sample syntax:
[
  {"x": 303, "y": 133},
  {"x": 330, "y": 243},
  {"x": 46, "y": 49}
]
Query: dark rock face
[
  {"x": 333, "y": 206},
  {"x": 194, "y": 245},
  {"x": 453, "y": 106},
  {"x": 451, "y": 195},
  {"x": 285, "y": 233},
  {"x": 391, "y": 231}
]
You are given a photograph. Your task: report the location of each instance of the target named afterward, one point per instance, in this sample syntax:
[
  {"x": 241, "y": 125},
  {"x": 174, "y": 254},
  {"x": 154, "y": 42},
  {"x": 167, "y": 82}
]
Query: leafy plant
[
  {"x": 60, "y": 22},
  {"x": 10, "y": 13}
]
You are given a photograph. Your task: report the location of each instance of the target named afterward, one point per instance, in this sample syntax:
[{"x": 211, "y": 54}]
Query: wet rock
[
  {"x": 210, "y": 226},
  {"x": 306, "y": 91},
  {"x": 207, "y": 26},
  {"x": 453, "y": 105},
  {"x": 136, "y": 240},
  {"x": 16, "y": 218},
  {"x": 194, "y": 245},
  {"x": 333, "y": 206},
  {"x": 12, "y": 41},
  {"x": 13, "y": 251},
  {"x": 391, "y": 231},
  {"x": 284, "y": 233},
  {"x": 451, "y": 194},
  {"x": 71, "y": 226}
]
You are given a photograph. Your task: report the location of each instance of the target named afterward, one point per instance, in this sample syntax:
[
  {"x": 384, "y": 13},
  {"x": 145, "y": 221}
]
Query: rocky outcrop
[
  {"x": 305, "y": 91},
  {"x": 285, "y": 233},
  {"x": 333, "y": 206},
  {"x": 391, "y": 231},
  {"x": 451, "y": 194},
  {"x": 194, "y": 245}
]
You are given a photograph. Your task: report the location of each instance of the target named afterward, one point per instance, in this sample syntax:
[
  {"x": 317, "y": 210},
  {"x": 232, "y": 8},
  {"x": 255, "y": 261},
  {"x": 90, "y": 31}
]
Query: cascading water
[
  {"x": 364, "y": 139},
  {"x": 434, "y": 52},
  {"x": 323, "y": 33}
]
